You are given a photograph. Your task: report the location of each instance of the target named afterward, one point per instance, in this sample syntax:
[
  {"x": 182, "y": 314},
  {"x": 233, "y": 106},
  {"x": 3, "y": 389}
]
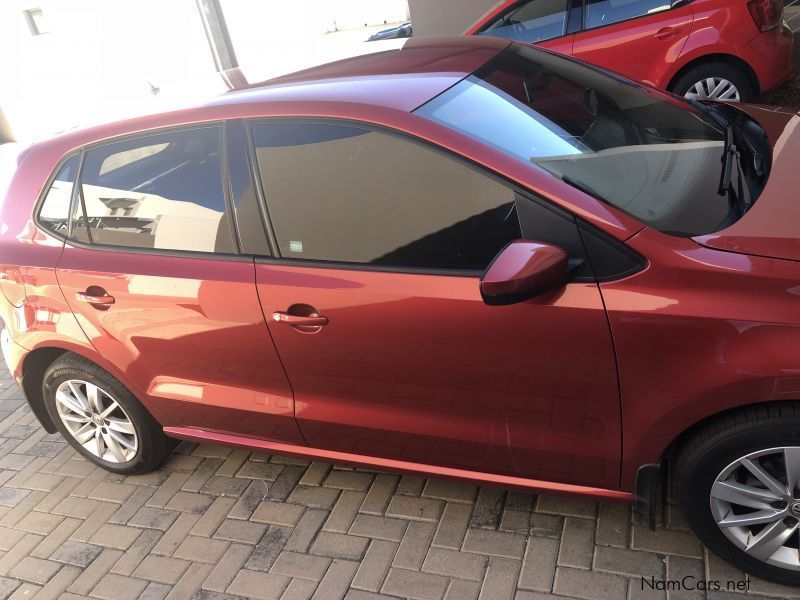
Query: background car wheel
[
  {"x": 738, "y": 484},
  {"x": 714, "y": 81},
  {"x": 101, "y": 419}
]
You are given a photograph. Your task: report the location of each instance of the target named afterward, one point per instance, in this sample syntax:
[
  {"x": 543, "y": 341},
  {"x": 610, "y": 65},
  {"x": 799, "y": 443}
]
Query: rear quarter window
[{"x": 54, "y": 211}]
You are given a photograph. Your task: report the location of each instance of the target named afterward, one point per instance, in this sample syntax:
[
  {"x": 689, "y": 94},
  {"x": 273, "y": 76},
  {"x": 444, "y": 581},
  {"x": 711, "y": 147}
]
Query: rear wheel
[
  {"x": 101, "y": 419},
  {"x": 714, "y": 81},
  {"x": 738, "y": 484}
]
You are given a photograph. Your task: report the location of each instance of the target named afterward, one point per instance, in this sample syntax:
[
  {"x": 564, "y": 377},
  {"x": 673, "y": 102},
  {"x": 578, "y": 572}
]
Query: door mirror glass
[{"x": 523, "y": 270}]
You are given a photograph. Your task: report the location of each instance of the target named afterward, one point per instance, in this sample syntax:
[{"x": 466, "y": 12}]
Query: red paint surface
[
  {"x": 655, "y": 48},
  {"x": 413, "y": 371}
]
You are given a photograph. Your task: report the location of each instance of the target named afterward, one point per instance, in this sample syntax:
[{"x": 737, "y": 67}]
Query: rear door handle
[
  {"x": 296, "y": 320},
  {"x": 96, "y": 296},
  {"x": 667, "y": 32}
]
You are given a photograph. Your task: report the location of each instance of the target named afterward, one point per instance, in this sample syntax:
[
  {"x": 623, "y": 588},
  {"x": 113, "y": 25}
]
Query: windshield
[{"x": 653, "y": 156}]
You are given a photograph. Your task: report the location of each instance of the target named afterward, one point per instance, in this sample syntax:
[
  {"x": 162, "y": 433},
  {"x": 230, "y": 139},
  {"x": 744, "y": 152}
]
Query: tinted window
[
  {"x": 532, "y": 22},
  {"x": 54, "y": 213},
  {"x": 605, "y": 12},
  {"x": 161, "y": 191},
  {"x": 347, "y": 194},
  {"x": 649, "y": 154}
]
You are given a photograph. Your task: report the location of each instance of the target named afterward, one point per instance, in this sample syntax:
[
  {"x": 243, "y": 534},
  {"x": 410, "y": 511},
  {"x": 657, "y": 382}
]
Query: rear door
[
  {"x": 640, "y": 39},
  {"x": 153, "y": 272},
  {"x": 546, "y": 23},
  {"x": 376, "y": 312}
]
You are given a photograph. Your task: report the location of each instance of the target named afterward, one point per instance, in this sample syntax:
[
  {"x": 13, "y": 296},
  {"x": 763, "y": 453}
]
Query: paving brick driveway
[{"x": 222, "y": 523}]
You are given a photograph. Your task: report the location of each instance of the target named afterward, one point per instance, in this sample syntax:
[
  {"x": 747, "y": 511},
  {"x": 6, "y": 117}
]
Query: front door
[
  {"x": 153, "y": 275},
  {"x": 375, "y": 309}
]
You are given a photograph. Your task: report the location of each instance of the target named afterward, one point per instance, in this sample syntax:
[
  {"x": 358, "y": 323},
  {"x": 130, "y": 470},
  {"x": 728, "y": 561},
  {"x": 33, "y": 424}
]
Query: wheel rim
[
  {"x": 713, "y": 88},
  {"x": 96, "y": 421},
  {"x": 755, "y": 502}
]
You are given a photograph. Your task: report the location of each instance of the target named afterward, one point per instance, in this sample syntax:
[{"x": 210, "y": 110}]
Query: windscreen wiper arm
[{"x": 728, "y": 158}]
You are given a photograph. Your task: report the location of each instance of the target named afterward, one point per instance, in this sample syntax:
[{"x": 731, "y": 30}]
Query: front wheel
[
  {"x": 101, "y": 419},
  {"x": 714, "y": 81},
  {"x": 738, "y": 484}
]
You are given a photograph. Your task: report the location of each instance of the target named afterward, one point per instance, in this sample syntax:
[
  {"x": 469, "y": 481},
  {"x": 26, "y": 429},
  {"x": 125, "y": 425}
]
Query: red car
[
  {"x": 467, "y": 258},
  {"x": 717, "y": 49}
]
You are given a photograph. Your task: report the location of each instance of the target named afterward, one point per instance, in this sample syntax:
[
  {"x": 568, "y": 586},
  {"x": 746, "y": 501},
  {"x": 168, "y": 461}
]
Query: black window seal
[
  {"x": 518, "y": 189},
  {"x": 255, "y": 173},
  {"x": 236, "y": 154},
  {"x": 219, "y": 125},
  {"x": 37, "y": 207},
  {"x": 233, "y": 229}
]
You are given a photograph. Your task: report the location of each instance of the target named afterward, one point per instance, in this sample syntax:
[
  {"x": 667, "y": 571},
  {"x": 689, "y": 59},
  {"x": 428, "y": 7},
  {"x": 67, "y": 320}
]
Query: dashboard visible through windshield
[{"x": 655, "y": 157}]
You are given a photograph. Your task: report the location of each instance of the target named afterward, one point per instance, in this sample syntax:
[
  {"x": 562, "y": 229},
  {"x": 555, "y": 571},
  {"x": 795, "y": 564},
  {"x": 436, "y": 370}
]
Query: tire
[
  {"x": 132, "y": 442},
  {"x": 714, "y": 70},
  {"x": 708, "y": 483}
]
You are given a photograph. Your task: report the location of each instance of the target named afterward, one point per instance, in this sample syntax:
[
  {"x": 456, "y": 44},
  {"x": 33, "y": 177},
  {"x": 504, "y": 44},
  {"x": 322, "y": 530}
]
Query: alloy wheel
[
  {"x": 96, "y": 421},
  {"x": 713, "y": 88},
  {"x": 755, "y": 502}
]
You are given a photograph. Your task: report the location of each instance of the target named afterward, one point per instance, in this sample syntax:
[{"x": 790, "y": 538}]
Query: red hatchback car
[
  {"x": 717, "y": 49},
  {"x": 468, "y": 258}
]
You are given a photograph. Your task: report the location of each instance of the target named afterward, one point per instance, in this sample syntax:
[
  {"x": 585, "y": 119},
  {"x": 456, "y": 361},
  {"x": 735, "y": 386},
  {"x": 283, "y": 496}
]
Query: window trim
[
  {"x": 565, "y": 32},
  {"x": 543, "y": 202},
  {"x": 219, "y": 125}
]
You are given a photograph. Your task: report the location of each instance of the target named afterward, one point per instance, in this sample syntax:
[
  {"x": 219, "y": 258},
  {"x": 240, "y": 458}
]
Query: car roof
[{"x": 402, "y": 78}]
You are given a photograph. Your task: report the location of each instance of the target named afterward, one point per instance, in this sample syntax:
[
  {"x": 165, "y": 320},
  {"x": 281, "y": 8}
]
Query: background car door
[
  {"x": 378, "y": 318},
  {"x": 541, "y": 22},
  {"x": 640, "y": 39},
  {"x": 154, "y": 280}
]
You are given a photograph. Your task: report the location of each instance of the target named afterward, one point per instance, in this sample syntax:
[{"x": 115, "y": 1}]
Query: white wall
[{"x": 95, "y": 63}]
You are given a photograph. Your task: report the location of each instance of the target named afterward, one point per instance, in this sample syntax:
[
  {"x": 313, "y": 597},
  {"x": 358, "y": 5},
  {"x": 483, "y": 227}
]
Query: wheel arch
[
  {"x": 34, "y": 366},
  {"x": 36, "y": 363},
  {"x": 721, "y": 57},
  {"x": 672, "y": 449}
]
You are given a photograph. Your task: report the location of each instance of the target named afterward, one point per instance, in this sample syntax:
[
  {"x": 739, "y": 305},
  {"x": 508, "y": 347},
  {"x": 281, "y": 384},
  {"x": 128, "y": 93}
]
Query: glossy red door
[
  {"x": 188, "y": 334},
  {"x": 416, "y": 367},
  {"x": 643, "y": 48}
]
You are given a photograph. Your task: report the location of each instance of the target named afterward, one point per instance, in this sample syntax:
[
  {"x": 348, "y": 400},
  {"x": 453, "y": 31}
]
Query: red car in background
[{"x": 715, "y": 49}]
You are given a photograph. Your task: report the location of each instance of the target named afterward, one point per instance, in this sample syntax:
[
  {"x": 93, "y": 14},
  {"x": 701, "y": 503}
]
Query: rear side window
[
  {"x": 532, "y": 22},
  {"x": 605, "y": 12},
  {"x": 161, "y": 191},
  {"x": 348, "y": 194},
  {"x": 54, "y": 213}
]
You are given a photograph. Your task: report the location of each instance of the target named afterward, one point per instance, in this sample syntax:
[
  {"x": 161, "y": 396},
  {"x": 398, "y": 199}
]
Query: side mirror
[{"x": 523, "y": 270}]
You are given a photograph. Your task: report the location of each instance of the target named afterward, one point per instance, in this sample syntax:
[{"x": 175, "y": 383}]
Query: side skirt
[{"x": 536, "y": 485}]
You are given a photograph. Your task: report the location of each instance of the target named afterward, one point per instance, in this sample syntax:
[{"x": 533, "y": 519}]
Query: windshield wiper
[
  {"x": 728, "y": 159},
  {"x": 738, "y": 197}
]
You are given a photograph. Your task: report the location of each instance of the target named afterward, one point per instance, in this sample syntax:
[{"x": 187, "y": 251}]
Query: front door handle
[
  {"x": 667, "y": 32},
  {"x": 97, "y": 297},
  {"x": 297, "y": 320}
]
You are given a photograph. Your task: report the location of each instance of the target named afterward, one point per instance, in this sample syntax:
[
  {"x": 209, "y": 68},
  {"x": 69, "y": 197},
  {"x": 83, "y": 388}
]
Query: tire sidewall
[
  {"x": 59, "y": 373},
  {"x": 694, "y": 493}
]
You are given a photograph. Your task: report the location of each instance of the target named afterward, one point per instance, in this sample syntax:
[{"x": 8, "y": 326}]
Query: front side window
[
  {"x": 604, "y": 12},
  {"x": 161, "y": 191},
  {"x": 533, "y": 21},
  {"x": 651, "y": 155},
  {"x": 349, "y": 194},
  {"x": 54, "y": 213}
]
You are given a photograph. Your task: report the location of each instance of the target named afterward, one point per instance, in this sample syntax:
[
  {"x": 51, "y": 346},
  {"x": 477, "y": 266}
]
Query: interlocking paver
[{"x": 220, "y": 524}]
